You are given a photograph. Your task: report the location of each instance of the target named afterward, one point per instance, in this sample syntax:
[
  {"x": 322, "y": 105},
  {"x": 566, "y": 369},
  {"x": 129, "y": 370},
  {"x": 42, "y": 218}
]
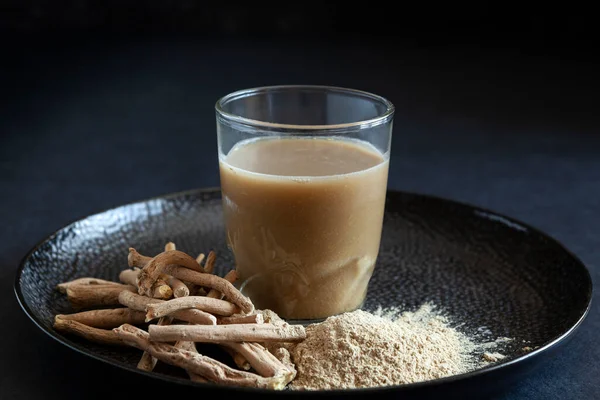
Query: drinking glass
[{"x": 303, "y": 173}]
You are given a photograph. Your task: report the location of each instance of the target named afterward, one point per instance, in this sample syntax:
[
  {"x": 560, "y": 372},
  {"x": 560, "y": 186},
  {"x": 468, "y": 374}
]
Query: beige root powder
[{"x": 359, "y": 349}]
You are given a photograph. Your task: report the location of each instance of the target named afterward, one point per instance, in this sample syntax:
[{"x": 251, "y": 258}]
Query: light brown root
[
  {"x": 197, "y": 378},
  {"x": 238, "y": 359},
  {"x": 161, "y": 289},
  {"x": 196, "y": 363},
  {"x": 139, "y": 303},
  {"x": 152, "y": 269},
  {"x": 283, "y": 355},
  {"x": 170, "y": 246},
  {"x": 261, "y": 360},
  {"x": 89, "y": 296},
  {"x": 95, "y": 335},
  {"x": 136, "y": 302},
  {"x": 106, "y": 318},
  {"x": 209, "y": 265},
  {"x": 180, "y": 289},
  {"x": 213, "y": 306},
  {"x": 62, "y": 287},
  {"x": 230, "y": 277},
  {"x": 137, "y": 260},
  {"x": 147, "y": 362},
  {"x": 227, "y": 333},
  {"x": 129, "y": 276},
  {"x": 197, "y": 290},
  {"x": 243, "y": 319},
  {"x": 191, "y": 346},
  {"x": 214, "y": 282}
]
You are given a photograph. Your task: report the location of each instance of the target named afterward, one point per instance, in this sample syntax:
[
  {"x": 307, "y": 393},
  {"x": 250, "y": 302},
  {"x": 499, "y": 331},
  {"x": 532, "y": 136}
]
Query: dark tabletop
[{"x": 95, "y": 124}]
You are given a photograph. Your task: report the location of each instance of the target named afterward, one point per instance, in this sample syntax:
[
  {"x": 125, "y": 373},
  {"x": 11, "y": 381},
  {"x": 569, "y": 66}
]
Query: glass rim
[{"x": 362, "y": 124}]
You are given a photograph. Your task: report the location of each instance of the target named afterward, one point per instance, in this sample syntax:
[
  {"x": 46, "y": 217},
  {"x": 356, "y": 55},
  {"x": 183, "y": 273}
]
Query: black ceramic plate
[{"x": 484, "y": 269}]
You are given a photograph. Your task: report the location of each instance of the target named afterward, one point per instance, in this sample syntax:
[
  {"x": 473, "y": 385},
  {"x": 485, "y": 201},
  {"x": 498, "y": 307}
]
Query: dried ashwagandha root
[
  {"x": 213, "y": 306},
  {"x": 237, "y": 358},
  {"x": 129, "y": 276},
  {"x": 179, "y": 265},
  {"x": 145, "y": 293},
  {"x": 152, "y": 269},
  {"x": 180, "y": 289},
  {"x": 259, "y": 358},
  {"x": 191, "y": 346},
  {"x": 147, "y": 362},
  {"x": 95, "y": 335},
  {"x": 170, "y": 246},
  {"x": 62, "y": 287},
  {"x": 160, "y": 289},
  {"x": 227, "y": 333},
  {"x": 284, "y": 356},
  {"x": 139, "y": 303},
  {"x": 214, "y": 282},
  {"x": 206, "y": 367},
  {"x": 142, "y": 261},
  {"x": 106, "y": 318},
  {"x": 89, "y": 296},
  {"x": 197, "y": 290},
  {"x": 209, "y": 265},
  {"x": 138, "y": 261},
  {"x": 241, "y": 319},
  {"x": 230, "y": 277}
]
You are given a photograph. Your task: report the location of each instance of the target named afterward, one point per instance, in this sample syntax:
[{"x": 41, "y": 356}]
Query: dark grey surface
[{"x": 90, "y": 127}]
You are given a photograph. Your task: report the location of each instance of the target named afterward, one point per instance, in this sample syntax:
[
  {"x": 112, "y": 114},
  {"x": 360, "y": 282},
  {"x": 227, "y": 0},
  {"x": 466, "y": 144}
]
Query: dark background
[{"x": 110, "y": 102}]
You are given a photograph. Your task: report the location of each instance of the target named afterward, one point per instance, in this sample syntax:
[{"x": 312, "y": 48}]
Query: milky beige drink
[{"x": 304, "y": 218}]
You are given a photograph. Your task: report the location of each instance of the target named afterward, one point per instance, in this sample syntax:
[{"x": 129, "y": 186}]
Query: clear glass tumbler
[{"x": 304, "y": 174}]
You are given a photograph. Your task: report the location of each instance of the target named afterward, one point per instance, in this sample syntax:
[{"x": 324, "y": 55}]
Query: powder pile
[{"x": 360, "y": 349}]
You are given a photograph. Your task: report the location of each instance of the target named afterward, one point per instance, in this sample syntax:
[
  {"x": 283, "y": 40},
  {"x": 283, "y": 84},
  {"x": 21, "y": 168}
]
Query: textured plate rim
[{"x": 375, "y": 390}]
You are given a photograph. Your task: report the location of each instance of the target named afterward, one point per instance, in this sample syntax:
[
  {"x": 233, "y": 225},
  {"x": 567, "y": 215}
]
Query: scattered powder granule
[
  {"x": 493, "y": 357},
  {"x": 359, "y": 349}
]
